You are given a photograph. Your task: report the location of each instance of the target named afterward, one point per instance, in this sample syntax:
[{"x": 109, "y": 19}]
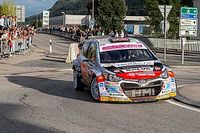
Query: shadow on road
[
  {"x": 54, "y": 60},
  {"x": 52, "y": 87},
  {"x": 11, "y": 123}
]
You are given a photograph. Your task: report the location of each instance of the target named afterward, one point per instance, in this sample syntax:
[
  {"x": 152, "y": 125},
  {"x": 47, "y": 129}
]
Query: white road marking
[
  {"x": 63, "y": 70},
  {"x": 183, "y": 106},
  {"x": 183, "y": 85},
  {"x": 69, "y": 70}
]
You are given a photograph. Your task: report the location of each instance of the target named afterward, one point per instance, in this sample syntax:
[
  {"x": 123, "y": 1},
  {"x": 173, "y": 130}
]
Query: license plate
[{"x": 141, "y": 92}]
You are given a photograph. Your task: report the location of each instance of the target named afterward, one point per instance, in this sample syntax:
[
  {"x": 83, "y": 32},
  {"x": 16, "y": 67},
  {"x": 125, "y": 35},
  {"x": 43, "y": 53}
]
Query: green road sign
[
  {"x": 189, "y": 10},
  {"x": 188, "y": 22}
]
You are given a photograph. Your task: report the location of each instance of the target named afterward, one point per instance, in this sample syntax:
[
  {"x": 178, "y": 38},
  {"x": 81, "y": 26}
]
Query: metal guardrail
[
  {"x": 18, "y": 46},
  {"x": 60, "y": 33},
  {"x": 157, "y": 44},
  {"x": 190, "y": 46}
]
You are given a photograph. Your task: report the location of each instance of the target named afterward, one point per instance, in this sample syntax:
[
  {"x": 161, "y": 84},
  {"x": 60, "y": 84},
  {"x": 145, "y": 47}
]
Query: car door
[
  {"x": 83, "y": 60},
  {"x": 91, "y": 63}
]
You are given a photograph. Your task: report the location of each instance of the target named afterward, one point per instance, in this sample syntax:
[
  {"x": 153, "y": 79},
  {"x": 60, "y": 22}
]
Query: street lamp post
[
  {"x": 63, "y": 18},
  {"x": 93, "y": 14}
]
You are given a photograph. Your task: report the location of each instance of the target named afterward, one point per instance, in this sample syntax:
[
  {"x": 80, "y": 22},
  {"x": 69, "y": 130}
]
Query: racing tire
[
  {"x": 78, "y": 85},
  {"x": 95, "y": 89}
]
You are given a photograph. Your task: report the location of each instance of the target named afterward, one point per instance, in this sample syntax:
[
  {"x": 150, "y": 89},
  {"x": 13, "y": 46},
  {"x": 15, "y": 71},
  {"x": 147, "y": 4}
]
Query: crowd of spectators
[
  {"x": 84, "y": 33},
  {"x": 78, "y": 31},
  {"x": 11, "y": 35}
]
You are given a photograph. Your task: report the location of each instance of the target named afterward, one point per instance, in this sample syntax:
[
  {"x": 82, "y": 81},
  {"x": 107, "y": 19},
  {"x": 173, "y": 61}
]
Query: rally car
[{"x": 122, "y": 70}]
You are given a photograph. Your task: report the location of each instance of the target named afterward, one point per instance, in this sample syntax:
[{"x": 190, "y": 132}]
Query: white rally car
[{"x": 122, "y": 70}]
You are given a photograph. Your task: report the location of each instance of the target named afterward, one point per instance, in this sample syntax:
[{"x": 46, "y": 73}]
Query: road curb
[{"x": 186, "y": 100}]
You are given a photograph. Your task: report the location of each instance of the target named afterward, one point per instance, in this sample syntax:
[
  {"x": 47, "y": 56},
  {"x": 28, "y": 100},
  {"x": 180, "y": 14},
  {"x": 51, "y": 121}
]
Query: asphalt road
[{"x": 36, "y": 96}]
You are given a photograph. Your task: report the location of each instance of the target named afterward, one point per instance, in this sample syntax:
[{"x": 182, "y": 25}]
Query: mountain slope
[
  {"x": 69, "y": 7},
  {"x": 135, "y": 7}
]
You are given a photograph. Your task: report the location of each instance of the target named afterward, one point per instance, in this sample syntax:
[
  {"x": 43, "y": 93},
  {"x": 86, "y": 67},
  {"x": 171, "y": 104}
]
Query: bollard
[{"x": 50, "y": 46}]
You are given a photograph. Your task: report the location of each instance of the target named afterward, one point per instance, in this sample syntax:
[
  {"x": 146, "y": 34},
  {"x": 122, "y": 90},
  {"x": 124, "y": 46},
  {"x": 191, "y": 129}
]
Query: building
[
  {"x": 80, "y": 20},
  {"x": 133, "y": 24},
  {"x": 136, "y": 25}
]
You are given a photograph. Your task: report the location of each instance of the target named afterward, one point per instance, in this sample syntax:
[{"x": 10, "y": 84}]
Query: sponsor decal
[
  {"x": 108, "y": 84},
  {"x": 173, "y": 80},
  {"x": 113, "y": 90},
  {"x": 140, "y": 75},
  {"x": 101, "y": 85},
  {"x": 103, "y": 98},
  {"x": 163, "y": 96},
  {"x": 116, "y": 70},
  {"x": 157, "y": 68},
  {"x": 167, "y": 86},
  {"x": 122, "y": 46},
  {"x": 142, "y": 63},
  {"x": 165, "y": 91},
  {"x": 116, "y": 94},
  {"x": 136, "y": 68},
  {"x": 104, "y": 93},
  {"x": 173, "y": 90}
]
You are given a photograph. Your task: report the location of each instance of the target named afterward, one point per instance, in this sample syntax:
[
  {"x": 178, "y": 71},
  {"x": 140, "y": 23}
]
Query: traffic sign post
[
  {"x": 188, "y": 26},
  {"x": 165, "y": 10},
  {"x": 162, "y": 24}
]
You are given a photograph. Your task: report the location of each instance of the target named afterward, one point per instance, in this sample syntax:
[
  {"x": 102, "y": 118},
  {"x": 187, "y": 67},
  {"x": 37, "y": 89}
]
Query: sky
[{"x": 34, "y": 6}]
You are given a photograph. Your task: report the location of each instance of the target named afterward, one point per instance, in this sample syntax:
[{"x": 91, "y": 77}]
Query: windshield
[{"x": 129, "y": 55}]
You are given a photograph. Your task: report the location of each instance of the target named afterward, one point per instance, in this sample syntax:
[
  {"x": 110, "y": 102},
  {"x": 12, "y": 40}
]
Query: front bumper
[{"x": 115, "y": 92}]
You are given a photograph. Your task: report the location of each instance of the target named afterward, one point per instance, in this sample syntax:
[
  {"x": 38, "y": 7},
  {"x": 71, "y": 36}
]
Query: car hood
[{"x": 138, "y": 70}]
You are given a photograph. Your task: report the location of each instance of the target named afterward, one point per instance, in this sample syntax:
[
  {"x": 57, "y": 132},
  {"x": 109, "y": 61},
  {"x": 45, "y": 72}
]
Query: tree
[
  {"x": 37, "y": 24},
  {"x": 174, "y": 20},
  {"x": 111, "y": 14},
  {"x": 89, "y": 7},
  {"x": 155, "y": 17},
  {"x": 8, "y": 8},
  {"x": 188, "y": 3},
  {"x": 1, "y": 10}
]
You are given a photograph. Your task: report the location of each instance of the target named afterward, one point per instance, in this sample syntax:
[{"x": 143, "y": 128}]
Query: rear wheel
[
  {"x": 95, "y": 89},
  {"x": 78, "y": 85}
]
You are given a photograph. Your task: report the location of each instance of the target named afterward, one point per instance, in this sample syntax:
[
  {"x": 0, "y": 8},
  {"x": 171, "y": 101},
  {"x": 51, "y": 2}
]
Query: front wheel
[
  {"x": 95, "y": 89},
  {"x": 78, "y": 85}
]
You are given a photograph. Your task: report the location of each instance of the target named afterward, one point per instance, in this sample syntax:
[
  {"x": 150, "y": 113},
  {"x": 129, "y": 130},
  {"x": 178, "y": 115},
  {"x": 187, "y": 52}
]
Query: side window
[
  {"x": 91, "y": 54},
  {"x": 85, "y": 48}
]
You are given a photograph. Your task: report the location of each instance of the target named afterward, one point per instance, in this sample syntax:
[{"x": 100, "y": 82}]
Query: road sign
[
  {"x": 188, "y": 22},
  {"x": 163, "y": 26},
  {"x": 189, "y": 10},
  {"x": 162, "y": 10},
  {"x": 165, "y": 10},
  {"x": 188, "y": 16}
]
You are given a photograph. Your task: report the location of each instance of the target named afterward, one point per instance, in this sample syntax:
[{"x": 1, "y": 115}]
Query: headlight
[
  {"x": 164, "y": 75},
  {"x": 114, "y": 78}
]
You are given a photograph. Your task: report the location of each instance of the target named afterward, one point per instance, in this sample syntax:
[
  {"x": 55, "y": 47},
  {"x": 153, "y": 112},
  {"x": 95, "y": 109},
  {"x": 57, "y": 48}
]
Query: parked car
[{"x": 122, "y": 70}]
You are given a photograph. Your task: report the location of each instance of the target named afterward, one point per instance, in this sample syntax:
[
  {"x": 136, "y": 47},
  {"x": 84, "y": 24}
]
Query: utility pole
[
  {"x": 165, "y": 32},
  {"x": 93, "y": 13},
  {"x": 21, "y": 15},
  {"x": 63, "y": 18},
  {"x": 165, "y": 10}
]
